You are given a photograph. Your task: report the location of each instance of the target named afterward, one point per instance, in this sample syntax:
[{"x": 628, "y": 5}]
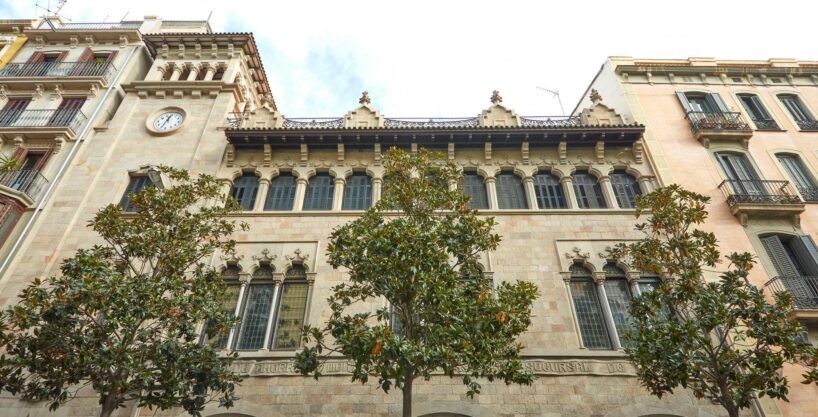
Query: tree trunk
[
  {"x": 109, "y": 405},
  {"x": 407, "y": 396}
]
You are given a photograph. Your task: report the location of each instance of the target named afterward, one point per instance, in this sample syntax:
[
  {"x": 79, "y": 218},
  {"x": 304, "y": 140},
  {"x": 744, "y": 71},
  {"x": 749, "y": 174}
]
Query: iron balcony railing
[
  {"x": 804, "y": 290},
  {"x": 59, "y": 69},
  {"x": 810, "y": 193},
  {"x": 724, "y": 121},
  {"x": 70, "y": 118},
  {"x": 807, "y": 124},
  {"x": 759, "y": 192},
  {"x": 28, "y": 182},
  {"x": 92, "y": 26},
  {"x": 765, "y": 124}
]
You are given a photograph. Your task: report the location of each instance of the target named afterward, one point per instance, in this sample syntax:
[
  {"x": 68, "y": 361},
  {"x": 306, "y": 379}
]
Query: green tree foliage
[
  {"x": 723, "y": 338},
  {"x": 418, "y": 249},
  {"x": 122, "y": 316},
  {"x": 8, "y": 164}
]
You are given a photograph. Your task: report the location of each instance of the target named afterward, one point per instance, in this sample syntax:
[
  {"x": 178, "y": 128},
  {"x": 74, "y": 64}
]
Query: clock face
[{"x": 168, "y": 121}]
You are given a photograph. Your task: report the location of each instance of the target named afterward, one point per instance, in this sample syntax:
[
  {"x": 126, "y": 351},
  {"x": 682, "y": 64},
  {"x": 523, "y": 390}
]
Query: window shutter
[
  {"x": 20, "y": 155},
  {"x": 474, "y": 187},
  {"x": 548, "y": 191},
  {"x": 357, "y": 192},
  {"x": 719, "y": 103},
  {"x": 806, "y": 253},
  {"x": 111, "y": 57},
  {"x": 683, "y": 100},
  {"x": 43, "y": 159},
  {"x": 281, "y": 195},
  {"x": 510, "y": 192},
  {"x": 36, "y": 57},
  {"x": 778, "y": 255},
  {"x": 760, "y": 107},
  {"x": 244, "y": 191},
  {"x": 319, "y": 194}
]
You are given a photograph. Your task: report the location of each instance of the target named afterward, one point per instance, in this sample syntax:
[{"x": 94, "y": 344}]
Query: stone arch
[
  {"x": 447, "y": 409},
  {"x": 643, "y": 410}
]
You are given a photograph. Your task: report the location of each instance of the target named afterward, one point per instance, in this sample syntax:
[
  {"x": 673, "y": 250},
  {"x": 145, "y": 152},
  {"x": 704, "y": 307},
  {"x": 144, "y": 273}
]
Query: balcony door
[
  {"x": 65, "y": 114},
  {"x": 12, "y": 111},
  {"x": 795, "y": 259},
  {"x": 29, "y": 166},
  {"x": 742, "y": 178}
]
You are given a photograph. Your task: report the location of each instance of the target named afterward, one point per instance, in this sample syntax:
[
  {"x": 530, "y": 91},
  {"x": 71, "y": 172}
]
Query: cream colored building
[
  {"x": 562, "y": 190},
  {"x": 745, "y": 134}
]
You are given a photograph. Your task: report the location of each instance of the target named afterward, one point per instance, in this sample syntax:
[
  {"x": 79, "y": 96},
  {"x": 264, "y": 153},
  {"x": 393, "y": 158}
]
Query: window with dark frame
[
  {"x": 625, "y": 188},
  {"x": 510, "y": 191},
  {"x": 281, "y": 195},
  {"x": 548, "y": 191},
  {"x": 587, "y": 190},
  {"x": 474, "y": 187},
  {"x": 319, "y": 194},
  {"x": 135, "y": 186},
  {"x": 357, "y": 192},
  {"x": 588, "y": 309},
  {"x": 245, "y": 190}
]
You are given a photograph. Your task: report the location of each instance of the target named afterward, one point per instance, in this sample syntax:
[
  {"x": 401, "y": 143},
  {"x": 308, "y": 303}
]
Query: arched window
[
  {"x": 257, "y": 305},
  {"x": 586, "y": 187},
  {"x": 474, "y": 187},
  {"x": 219, "y": 72},
  {"x": 319, "y": 193},
  {"x": 229, "y": 305},
  {"x": 648, "y": 283},
  {"x": 281, "y": 195},
  {"x": 619, "y": 297},
  {"x": 549, "y": 192},
  {"x": 588, "y": 309},
  {"x": 136, "y": 184},
  {"x": 625, "y": 189},
  {"x": 244, "y": 190},
  {"x": 357, "y": 192},
  {"x": 292, "y": 306},
  {"x": 803, "y": 118},
  {"x": 510, "y": 191}
]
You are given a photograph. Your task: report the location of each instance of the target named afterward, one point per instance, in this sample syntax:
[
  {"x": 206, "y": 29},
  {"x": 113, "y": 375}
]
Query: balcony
[
  {"x": 28, "y": 184},
  {"x": 725, "y": 126},
  {"x": 48, "y": 122},
  {"x": 807, "y": 124},
  {"x": 804, "y": 292},
  {"x": 766, "y": 198},
  {"x": 58, "y": 69}
]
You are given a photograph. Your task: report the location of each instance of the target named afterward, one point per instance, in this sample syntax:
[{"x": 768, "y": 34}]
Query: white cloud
[{"x": 439, "y": 58}]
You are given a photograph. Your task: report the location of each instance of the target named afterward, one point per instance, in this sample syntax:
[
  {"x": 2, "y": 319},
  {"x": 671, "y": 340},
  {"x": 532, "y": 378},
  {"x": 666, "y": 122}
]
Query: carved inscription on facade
[{"x": 535, "y": 366}]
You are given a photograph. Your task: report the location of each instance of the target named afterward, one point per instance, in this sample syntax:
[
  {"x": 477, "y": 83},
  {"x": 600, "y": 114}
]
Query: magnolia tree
[
  {"x": 722, "y": 339},
  {"x": 122, "y": 316},
  {"x": 418, "y": 249}
]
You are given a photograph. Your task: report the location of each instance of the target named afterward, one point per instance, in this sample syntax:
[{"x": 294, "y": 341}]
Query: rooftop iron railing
[
  {"x": 724, "y": 121},
  {"x": 93, "y": 26},
  {"x": 59, "y": 69},
  {"x": 29, "y": 182},
  {"x": 70, "y": 118},
  {"x": 759, "y": 192},
  {"x": 236, "y": 120},
  {"x": 765, "y": 124},
  {"x": 804, "y": 290}
]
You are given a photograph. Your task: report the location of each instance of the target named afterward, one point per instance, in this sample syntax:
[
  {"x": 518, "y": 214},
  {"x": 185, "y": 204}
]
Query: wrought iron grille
[
  {"x": 315, "y": 123},
  {"x": 418, "y": 122},
  {"x": 71, "y": 118},
  {"x": 809, "y": 193},
  {"x": 234, "y": 119},
  {"x": 807, "y": 124},
  {"x": 729, "y": 121},
  {"x": 28, "y": 182},
  {"x": 550, "y": 121},
  {"x": 766, "y": 124},
  {"x": 759, "y": 192},
  {"x": 59, "y": 69},
  {"x": 804, "y": 290},
  {"x": 95, "y": 26}
]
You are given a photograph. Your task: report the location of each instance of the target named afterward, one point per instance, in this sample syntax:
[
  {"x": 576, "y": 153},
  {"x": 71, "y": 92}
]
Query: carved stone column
[
  {"x": 209, "y": 72},
  {"x": 376, "y": 189},
  {"x": 599, "y": 280},
  {"x": 530, "y": 192},
  {"x": 300, "y": 191},
  {"x": 491, "y": 191},
  {"x": 338, "y": 193},
  {"x": 261, "y": 195},
  {"x": 607, "y": 192},
  {"x": 194, "y": 72},
  {"x": 226, "y": 186},
  {"x": 177, "y": 71},
  {"x": 633, "y": 281},
  {"x": 645, "y": 184},
  {"x": 568, "y": 189},
  {"x": 244, "y": 278}
]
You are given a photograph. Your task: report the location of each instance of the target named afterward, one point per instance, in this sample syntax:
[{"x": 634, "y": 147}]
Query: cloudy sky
[{"x": 443, "y": 58}]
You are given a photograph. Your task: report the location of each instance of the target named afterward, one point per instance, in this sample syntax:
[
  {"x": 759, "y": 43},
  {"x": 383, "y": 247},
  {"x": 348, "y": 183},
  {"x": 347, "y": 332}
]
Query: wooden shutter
[
  {"x": 781, "y": 260},
  {"x": 87, "y": 55},
  {"x": 20, "y": 155},
  {"x": 43, "y": 159},
  {"x": 715, "y": 98},
  {"x": 510, "y": 192},
  {"x": 806, "y": 253},
  {"x": 281, "y": 194},
  {"x": 683, "y": 100},
  {"x": 111, "y": 57},
  {"x": 244, "y": 191},
  {"x": 36, "y": 57}
]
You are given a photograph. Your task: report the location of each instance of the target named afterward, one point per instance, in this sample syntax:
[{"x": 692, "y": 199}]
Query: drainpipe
[{"x": 66, "y": 161}]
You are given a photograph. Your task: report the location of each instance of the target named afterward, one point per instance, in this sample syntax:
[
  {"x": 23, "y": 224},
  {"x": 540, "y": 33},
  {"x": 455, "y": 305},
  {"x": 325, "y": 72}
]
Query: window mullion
[
  {"x": 239, "y": 302},
  {"x": 599, "y": 280},
  {"x": 278, "y": 278}
]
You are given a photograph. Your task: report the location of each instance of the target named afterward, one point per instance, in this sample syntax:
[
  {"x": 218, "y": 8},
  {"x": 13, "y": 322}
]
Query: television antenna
[
  {"x": 554, "y": 93},
  {"x": 49, "y": 11}
]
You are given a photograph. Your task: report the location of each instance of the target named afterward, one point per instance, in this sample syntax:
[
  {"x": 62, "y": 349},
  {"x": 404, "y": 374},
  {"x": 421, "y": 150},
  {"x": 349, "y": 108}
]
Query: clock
[{"x": 166, "y": 121}]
